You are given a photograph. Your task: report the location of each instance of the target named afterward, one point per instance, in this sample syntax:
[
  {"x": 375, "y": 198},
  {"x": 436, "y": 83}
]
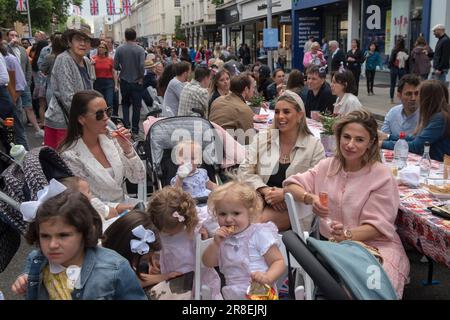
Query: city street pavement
[{"x": 379, "y": 104}]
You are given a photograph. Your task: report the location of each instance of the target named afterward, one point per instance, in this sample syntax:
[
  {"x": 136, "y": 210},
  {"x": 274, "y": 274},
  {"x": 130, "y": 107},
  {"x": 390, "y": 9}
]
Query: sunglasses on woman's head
[{"x": 100, "y": 114}]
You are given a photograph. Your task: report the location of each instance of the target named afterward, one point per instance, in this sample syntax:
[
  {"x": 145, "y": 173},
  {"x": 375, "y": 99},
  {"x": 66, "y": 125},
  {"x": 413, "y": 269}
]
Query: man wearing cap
[{"x": 441, "y": 53}]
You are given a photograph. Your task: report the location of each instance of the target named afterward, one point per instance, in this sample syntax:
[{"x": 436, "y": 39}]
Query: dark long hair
[
  {"x": 39, "y": 46},
  {"x": 432, "y": 101},
  {"x": 163, "y": 81},
  {"x": 78, "y": 108},
  {"x": 76, "y": 210},
  {"x": 118, "y": 237}
]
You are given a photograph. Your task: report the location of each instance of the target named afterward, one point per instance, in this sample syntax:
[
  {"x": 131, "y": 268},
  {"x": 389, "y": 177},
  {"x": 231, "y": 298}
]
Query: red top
[{"x": 103, "y": 67}]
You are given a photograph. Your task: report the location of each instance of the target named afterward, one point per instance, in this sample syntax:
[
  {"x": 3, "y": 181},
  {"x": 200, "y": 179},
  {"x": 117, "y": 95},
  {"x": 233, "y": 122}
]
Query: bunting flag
[
  {"x": 126, "y": 7},
  {"x": 76, "y": 10},
  {"x": 94, "y": 7},
  {"x": 21, "y": 5},
  {"x": 110, "y": 7}
]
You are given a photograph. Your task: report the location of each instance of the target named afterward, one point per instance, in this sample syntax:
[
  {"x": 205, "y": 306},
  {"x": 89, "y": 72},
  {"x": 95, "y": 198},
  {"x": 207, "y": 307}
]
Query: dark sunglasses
[{"x": 100, "y": 114}]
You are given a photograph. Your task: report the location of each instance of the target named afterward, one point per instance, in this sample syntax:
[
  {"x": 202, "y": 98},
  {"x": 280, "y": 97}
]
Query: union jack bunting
[
  {"x": 21, "y": 5},
  {"x": 126, "y": 7},
  {"x": 94, "y": 7},
  {"x": 110, "y": 7}
]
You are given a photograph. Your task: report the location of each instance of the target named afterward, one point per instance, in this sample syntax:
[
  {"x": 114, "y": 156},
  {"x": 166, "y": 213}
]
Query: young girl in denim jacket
[
  {"x": 135, "y": 237},
  {"x": 174, "y": 214},
  {"x": 68, "y": 264}
]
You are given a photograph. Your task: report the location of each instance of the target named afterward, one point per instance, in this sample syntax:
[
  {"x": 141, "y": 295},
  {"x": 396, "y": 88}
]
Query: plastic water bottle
[
  {"x": 401, "y": 150},
  {"x": 425, "y": 162},
  {"x": 342, "y": 68},
  {"x": 2, "y": 297}
]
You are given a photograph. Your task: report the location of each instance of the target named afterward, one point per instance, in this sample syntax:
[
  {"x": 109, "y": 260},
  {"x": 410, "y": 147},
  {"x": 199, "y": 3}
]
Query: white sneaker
[{"x": 39, "y": 134}]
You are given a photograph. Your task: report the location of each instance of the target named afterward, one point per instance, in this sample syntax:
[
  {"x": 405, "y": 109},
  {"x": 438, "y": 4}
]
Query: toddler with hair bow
[
  {"x": 68, "y": 264},
  {"x": 135, "y": 238},
  {"x": 174, "y": 214}
]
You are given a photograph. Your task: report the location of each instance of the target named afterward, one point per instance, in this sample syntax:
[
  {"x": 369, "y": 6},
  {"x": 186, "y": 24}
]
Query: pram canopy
[
  {"x": 165, "y": 134},
  {"x": 344, "y": 270},
  {"x": 21, "y": 183}
]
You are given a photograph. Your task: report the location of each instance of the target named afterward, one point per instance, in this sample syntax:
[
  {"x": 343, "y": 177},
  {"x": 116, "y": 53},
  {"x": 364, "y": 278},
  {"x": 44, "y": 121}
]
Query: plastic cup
[{"x": 323, "y": 197}]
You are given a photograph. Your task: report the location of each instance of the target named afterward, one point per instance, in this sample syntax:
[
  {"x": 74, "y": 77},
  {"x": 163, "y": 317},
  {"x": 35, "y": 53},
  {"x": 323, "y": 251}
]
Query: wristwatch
[{"x": 348, "y": 234}]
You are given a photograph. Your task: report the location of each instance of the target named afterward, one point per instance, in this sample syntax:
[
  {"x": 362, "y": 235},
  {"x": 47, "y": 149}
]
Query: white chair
[
  {"x": 200, "y": 292},
  {"x": 299, "y": 216}
]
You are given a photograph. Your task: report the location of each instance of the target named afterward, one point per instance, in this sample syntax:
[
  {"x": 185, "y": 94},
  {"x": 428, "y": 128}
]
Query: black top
[
  {"x": 276, "y": 180},
  {"x": 442, "y": 54},
  {"x": 359, "y": 59},
  {"x": 85, "y": 76},
  {"x": 323, "y": 102},
  {"x": 214, "y": 96},
  {"x": 337, "y": 59}
]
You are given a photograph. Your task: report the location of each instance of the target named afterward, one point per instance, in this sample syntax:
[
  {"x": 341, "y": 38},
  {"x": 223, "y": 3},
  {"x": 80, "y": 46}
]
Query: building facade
[
  {"x": 380, "y": 21},
  {"x": 243, "y": 21},
  {"x": 153, "y": 20},
  {"x": 198, "y": 21}
]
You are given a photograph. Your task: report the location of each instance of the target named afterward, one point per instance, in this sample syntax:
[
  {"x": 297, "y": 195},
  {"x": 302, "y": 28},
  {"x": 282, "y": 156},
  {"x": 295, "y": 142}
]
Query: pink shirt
[{"x": 368, "y": 196}]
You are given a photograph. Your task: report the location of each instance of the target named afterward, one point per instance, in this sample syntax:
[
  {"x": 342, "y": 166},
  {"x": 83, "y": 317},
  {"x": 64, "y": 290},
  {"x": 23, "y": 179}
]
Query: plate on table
[{"x": 440, "y": 188}]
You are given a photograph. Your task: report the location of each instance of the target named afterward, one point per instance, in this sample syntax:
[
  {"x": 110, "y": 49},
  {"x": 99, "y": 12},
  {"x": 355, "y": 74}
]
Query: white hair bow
[
  {"x": 29, "y": 208},
  {"x": 178, "y": 216},
  {"x": 145, "y": 236}
]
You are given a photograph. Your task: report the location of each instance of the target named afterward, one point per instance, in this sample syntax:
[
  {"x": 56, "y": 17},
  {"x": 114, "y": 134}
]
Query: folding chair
[
  {"x": 299, "y": 211},
  {"x": 200, "y": 292}
]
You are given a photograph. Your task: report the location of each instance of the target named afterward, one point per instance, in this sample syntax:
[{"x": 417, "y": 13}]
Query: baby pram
[
  {"x": 340, "y": 271},
  {"x": 19, "y": 183},
  {"x": 164, "y": 135}
]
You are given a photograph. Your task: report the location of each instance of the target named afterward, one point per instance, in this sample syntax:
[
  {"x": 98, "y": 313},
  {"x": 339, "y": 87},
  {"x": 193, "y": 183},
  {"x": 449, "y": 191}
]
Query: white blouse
[{"x": 347, "y": 104}]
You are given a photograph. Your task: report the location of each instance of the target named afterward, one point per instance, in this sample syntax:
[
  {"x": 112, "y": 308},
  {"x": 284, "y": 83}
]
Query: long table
[{"x": 416, "y": 225}]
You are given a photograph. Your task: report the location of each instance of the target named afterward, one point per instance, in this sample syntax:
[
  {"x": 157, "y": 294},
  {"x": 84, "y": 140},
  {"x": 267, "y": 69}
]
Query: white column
[
  {"x": 224, "y": 35},
  {"x": 354, "y": 14}
]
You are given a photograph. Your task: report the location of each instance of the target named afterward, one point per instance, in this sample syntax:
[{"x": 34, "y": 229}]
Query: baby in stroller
[{"x": 191, "y": 178}]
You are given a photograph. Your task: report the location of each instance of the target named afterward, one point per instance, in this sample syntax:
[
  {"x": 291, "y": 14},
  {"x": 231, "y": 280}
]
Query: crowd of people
[{"x": 80, "y": 82}]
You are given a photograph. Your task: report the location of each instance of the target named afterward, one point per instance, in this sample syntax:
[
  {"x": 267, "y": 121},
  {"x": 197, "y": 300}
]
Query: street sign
[{"x": 270, "y": 38}]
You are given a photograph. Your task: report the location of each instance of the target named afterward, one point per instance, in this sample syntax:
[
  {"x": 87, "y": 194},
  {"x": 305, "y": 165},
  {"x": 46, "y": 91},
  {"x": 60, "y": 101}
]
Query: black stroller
[
  {"x": 164, "y": 135},
  {"x": 19, "y": 183}
]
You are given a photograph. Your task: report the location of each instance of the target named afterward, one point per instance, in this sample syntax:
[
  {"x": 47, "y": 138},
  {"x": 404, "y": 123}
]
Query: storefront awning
[{"x": 304, "y": 4}]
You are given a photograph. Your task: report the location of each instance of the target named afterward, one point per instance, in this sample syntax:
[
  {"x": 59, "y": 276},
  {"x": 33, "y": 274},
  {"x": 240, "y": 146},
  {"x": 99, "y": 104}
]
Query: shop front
[
  {"x": 321, "y": 19},
  {"x": 385, "y": 21},
  {"x": 227, "y": 19},
  {"x": 254, "y": 20}
]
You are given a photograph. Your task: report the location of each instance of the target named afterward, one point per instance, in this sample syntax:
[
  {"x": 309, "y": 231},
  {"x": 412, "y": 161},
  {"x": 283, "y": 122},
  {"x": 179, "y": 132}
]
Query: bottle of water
[
  {"x": 401, "y": 150},
  {"x": 2, "y": 297},
  {"x": 425, "y": 162},
  {"x": 342, "y": 68}
]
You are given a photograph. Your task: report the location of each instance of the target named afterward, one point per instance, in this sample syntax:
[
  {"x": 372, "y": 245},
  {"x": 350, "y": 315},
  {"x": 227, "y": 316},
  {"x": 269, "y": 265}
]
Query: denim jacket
[{"x": 105, "y": 275}]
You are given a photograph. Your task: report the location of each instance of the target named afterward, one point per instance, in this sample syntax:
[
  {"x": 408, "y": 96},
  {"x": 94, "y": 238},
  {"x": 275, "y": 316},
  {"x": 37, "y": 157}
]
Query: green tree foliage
[{"x": 42, "y": 12}]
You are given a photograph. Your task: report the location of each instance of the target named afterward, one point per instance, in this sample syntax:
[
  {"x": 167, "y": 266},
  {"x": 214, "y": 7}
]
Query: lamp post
[
  {"x": 29, "y": 20},
  {"x": 269, "y": 5}
]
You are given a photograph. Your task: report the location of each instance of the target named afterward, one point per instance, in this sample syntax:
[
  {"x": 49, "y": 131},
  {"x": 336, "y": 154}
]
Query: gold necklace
[{"x": 285, "y": 158}]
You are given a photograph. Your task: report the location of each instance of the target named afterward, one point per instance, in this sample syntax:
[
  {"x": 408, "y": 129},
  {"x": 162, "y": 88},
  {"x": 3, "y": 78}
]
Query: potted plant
[
  {"x": 327, "y": 135},
  {"x": 256, "y": 101}
]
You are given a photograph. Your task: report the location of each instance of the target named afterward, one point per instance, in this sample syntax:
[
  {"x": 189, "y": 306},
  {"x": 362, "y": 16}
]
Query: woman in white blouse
[
  {"x": 343, "y": 86},
  {"x": 102, "y": 158}
]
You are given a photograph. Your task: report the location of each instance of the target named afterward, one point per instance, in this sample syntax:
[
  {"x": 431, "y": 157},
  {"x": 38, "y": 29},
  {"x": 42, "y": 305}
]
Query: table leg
[{"x": 430, "y": 281}]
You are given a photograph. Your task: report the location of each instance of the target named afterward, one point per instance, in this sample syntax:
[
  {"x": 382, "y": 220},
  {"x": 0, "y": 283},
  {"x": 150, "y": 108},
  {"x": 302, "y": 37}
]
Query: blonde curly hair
[
  {"x": 248, "y": 196},
  {"x": 165, "y": 202}
]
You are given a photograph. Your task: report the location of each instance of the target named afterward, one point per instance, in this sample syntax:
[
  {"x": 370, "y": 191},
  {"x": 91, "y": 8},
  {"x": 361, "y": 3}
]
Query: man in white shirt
[{"x": 6, "y": 106}]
